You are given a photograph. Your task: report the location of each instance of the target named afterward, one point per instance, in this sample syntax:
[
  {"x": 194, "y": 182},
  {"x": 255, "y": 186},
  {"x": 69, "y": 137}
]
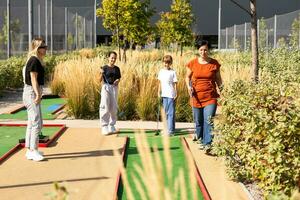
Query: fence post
[
  {"x": 30, "y": 29},
  {"x": 95, "y": 24},
  {"x": 226, "y": 38},
  {"x": 234, "y": 35},
  {"x": 76, "y": 30},
  {"x": 275, "y": 31},
  {"x": 46, "y": 21},
  {"x": 258, "y": 34},
  {"x": 299, "y": 38},
  {"x": 267, "y": 39},
  {"x": 51, "y": 26},
  {"x": 84, "y": 32},
  {"x": 245, "y": 37},
  {"x": 8, "y": 29},
  {"x": 39, "y": 19},
  {"x": 66, "y": 29},
  {"x": 219, "y": 25}
]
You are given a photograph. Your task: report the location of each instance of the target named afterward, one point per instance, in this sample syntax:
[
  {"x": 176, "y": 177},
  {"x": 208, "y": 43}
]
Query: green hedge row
[{"x": 11, "y": 69}]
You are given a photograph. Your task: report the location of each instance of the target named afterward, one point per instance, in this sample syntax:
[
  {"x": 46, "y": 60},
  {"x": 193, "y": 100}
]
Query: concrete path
[
  {"x": 212, "y": 170},
  {"x": 82, "y": 158}
]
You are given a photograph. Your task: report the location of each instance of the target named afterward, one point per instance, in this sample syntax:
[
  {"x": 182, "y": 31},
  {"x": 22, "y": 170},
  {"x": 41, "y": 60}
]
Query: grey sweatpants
[
  {"x": 35, "y": 121},
  {"x": 108, "y": 105}
]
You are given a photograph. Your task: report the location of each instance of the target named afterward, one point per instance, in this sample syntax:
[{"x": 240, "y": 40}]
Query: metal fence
[
  {"x": 280, "y": 30},
  {"x": 63, "y": 28}
]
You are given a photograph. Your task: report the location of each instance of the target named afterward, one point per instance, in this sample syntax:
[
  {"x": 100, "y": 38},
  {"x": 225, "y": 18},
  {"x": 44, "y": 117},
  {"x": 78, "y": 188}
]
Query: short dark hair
[
  {"x": 111, "y": 52},
  {"x": 200, "y": 43}
]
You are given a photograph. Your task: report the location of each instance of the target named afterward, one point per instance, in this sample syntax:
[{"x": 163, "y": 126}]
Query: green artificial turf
[
  {"x": 46, "y": 112},
  {"x": 178, "y": 161},
  {"x": 10, "y": 135}
]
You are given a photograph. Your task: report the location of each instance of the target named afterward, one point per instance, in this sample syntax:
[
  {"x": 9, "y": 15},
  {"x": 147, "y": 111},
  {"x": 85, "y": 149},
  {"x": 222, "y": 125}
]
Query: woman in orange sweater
[{"x": 202, "y": 77}]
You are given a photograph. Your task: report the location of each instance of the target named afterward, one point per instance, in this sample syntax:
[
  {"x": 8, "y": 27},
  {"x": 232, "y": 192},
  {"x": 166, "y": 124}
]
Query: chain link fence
[
  {"x": 278, "y": 31},
  {"x": 63, "y": 28}
]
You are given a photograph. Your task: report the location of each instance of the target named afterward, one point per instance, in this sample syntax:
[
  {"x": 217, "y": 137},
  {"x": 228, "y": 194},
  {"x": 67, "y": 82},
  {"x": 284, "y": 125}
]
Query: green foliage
[
  {"x": 129, "y": 18},
  {"x": 15, "y": 28},
  {"x": 262, "y": 42},
  {"x": 175, "y": 26},
  {"x": 259, "y": 130},
  {"x": 295, "y": 33}
]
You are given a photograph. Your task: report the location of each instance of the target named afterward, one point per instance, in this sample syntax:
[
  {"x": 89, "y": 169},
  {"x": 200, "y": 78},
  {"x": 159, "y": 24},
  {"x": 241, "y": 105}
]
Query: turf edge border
[
  {"x": 119, "y": 180},
  {"x": 10, "y": 153},
  {"x": 200, "y": 181}
]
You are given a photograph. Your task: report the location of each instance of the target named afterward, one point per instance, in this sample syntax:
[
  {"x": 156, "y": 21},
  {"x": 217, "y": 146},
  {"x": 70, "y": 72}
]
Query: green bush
[{"x": 259, "y": 133}]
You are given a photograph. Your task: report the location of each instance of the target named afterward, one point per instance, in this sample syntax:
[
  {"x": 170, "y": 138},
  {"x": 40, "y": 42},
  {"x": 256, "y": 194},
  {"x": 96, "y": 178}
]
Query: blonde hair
[{"x": 33, "y": 51}]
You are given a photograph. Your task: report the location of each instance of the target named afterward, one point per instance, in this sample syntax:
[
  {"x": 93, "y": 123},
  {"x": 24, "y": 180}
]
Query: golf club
[{"x": 157, "y": 116}]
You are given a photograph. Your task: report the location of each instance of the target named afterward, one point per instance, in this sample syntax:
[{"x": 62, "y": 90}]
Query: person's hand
[
  {"x": 37, "y": 99},
  {"x": 175, "y": 97},
  {"x": 101, "y": 70},
  {"x": 116, "y": 83},
  {"x": 191, "y": 91}
]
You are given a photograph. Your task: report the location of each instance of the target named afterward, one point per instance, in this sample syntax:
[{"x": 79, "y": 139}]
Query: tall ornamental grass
[{"x": 78, "y": 80}]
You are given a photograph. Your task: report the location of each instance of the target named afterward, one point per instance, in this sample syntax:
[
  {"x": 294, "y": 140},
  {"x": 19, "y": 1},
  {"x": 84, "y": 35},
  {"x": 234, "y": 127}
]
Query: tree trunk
[
  {"x": 181, "y": 48},
  {"x": 254, "y": 46},
  {"x": 118, "y": 42}
]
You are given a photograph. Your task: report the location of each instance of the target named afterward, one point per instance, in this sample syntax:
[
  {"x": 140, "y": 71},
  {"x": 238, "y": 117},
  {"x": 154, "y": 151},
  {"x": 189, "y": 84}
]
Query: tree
[
  {"x": 112, "y": 13},
  {"x": 175, "y": 26},
  {"x": 254, "y": 43},
  {"x": 127, "y": 18},
  {"x": 138, "y": 28}
]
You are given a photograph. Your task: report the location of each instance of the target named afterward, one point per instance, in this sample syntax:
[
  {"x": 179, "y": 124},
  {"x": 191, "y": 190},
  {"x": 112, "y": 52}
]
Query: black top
[
  {"x": 111, "y": 74},
  {"x": 34, "y": 65}
]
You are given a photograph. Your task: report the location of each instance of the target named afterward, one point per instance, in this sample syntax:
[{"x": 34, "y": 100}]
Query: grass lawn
[
  {"x": 178, "y": 161},
  {"x": 10, "y": 135},
  {"x": 48, "y": 106}
]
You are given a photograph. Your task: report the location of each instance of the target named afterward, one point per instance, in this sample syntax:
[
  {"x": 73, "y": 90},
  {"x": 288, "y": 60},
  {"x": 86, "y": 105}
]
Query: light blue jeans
[
  {"x": 169, "y": 107},
  {"x": 203, "y": 122}
]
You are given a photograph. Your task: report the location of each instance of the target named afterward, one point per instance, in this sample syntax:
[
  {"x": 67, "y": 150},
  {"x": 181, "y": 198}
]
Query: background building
[{"x": 71, "y": 24}]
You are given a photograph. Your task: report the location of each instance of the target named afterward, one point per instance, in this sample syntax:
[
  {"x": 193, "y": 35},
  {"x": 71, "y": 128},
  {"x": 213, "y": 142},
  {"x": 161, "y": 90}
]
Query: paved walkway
[
  {"x": 212, "y": 170},
  {"x": 82, "y": 158}
]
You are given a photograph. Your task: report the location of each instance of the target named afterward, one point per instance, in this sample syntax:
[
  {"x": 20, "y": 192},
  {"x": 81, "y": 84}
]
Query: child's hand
[{"x": 116, "y": 83}]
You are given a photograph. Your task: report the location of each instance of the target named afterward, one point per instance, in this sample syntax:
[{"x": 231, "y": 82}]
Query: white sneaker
[
  {"x": 105, "y": 130},
  {"x": 28, "y": 152},
  {"x": 34, "y": 155},
  {"x": 112, "y": 129}
]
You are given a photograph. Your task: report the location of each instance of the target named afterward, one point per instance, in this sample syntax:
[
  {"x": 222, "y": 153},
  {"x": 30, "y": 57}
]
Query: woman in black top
[
  {"x": 110, "y": 75},
  {"x": 33, "y": 74}
]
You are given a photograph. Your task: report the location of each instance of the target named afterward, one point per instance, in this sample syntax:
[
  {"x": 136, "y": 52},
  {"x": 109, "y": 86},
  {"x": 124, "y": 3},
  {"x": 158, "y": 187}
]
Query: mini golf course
[
  {"x": 179, "y": 161},
  {"x": 49, "y": 107},
  {"x": 11, "y": 134}
]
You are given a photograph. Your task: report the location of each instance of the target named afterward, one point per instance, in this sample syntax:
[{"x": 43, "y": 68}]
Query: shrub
[{"x": 258, "y": 133}]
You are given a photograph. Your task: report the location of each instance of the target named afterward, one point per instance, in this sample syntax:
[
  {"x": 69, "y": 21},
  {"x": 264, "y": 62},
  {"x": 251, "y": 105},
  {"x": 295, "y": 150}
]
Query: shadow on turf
[
  {"x": 81, "y": 154},
  {"x": 51, "y": 182}
]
